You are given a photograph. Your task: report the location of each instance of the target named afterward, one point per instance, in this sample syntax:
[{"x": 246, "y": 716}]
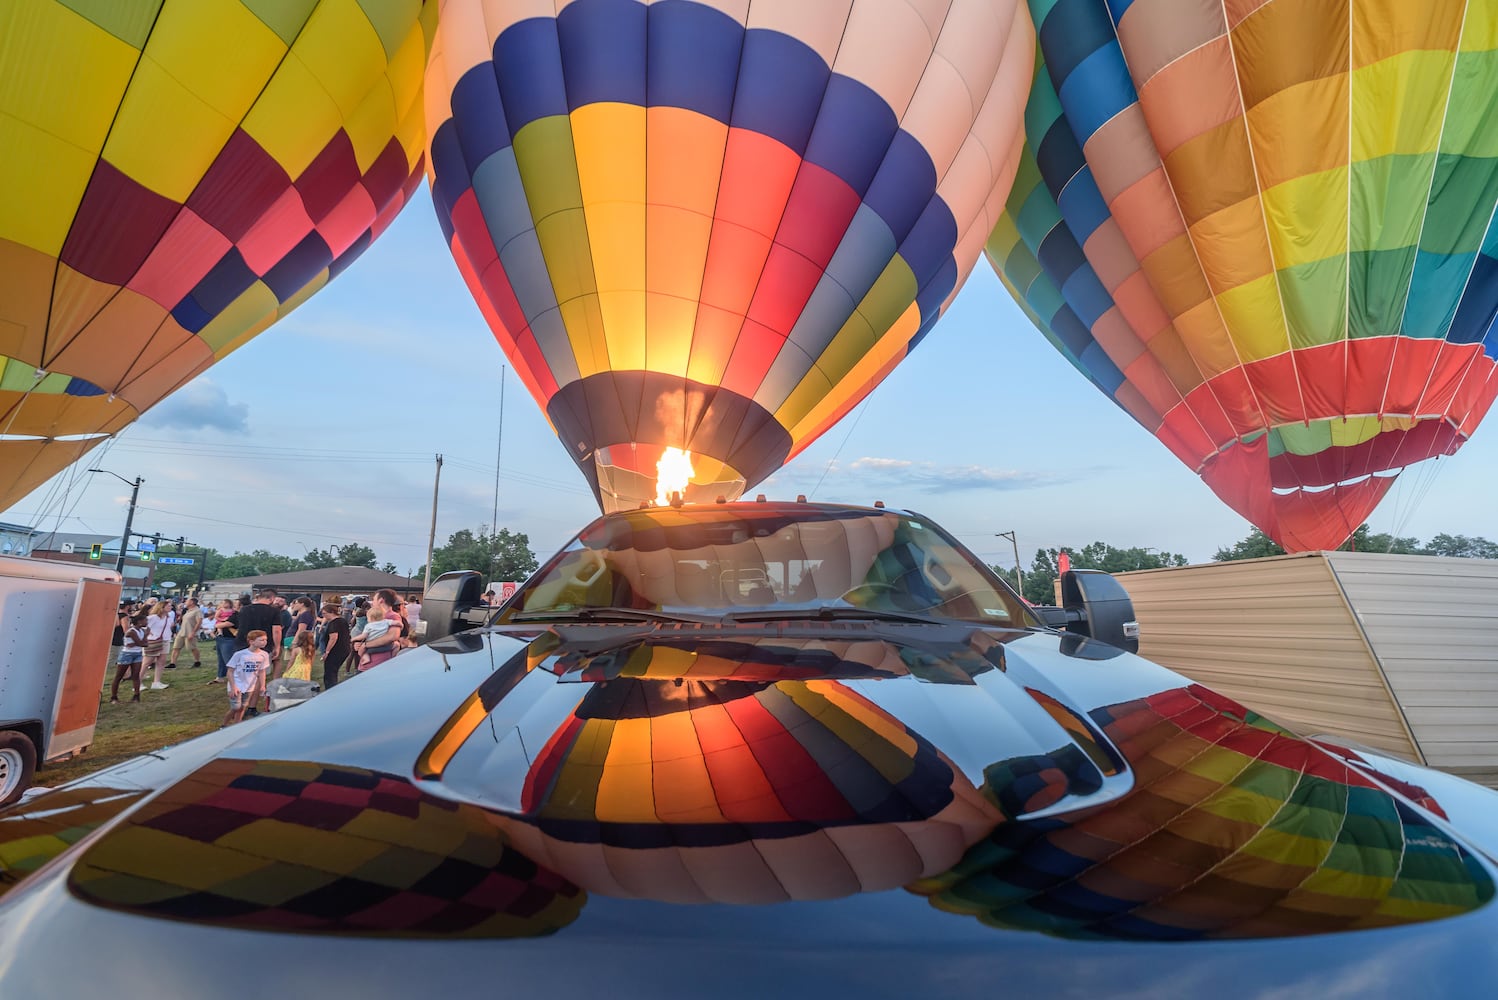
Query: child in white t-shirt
[{"x": 246, "y": 675}]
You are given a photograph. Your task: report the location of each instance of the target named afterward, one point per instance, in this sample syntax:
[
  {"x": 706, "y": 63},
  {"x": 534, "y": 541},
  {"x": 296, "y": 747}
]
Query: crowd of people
[{"x": 260, "y": 638}]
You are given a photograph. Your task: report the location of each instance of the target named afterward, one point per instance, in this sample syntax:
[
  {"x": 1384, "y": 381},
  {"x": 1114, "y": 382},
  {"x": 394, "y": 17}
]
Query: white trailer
[{"x": 56, "y": 621}]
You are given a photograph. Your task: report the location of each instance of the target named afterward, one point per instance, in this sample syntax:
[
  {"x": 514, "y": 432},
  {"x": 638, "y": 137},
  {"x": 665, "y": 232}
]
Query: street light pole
[
  {"x": 119, "y": 564},
  {"x": 1018, "y": 570}
]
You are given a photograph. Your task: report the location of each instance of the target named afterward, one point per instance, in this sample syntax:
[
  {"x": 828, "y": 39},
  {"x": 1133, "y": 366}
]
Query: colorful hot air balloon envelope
[
  {"x": 177, "y": 175},
  {"x": 715, "y": 227},
  {"x": 1266, "y": 231}
]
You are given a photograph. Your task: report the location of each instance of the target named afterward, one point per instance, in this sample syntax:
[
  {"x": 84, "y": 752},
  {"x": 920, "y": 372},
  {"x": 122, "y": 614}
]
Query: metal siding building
[{"x": 1396, "y": 652}]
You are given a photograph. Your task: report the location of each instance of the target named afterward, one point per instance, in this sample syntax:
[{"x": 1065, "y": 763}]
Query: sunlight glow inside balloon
[
  {"x": 717, "y": 226},
  {"x": 672, "y": 474},
  {"x": 1266, "y": 232}
]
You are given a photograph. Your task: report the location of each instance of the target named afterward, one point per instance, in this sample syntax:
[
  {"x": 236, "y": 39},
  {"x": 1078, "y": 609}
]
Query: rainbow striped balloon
[
  {"x": 177, "y": 175},
  {"x": 716, "y": 226},
  {"x": 1266, "y": 231}
]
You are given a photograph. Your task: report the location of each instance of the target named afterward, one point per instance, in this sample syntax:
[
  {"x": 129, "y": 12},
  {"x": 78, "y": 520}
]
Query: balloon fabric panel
[
  {"x": 1263, "y": 218},
  {"x": 179, "y": 176},
  {"x": 691, "y": 231}
]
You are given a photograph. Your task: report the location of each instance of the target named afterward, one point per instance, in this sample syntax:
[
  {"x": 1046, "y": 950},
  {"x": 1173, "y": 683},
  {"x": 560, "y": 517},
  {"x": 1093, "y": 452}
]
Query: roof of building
[
  {"x": 53, "y": 541},
  {"x": 345, "y": 579}
]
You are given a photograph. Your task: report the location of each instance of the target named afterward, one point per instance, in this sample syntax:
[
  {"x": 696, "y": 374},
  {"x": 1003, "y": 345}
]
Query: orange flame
[{"x": 672, "y": 474}]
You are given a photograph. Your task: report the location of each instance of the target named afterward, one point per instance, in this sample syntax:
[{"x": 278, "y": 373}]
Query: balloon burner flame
[{"x": 672, "y": 474}]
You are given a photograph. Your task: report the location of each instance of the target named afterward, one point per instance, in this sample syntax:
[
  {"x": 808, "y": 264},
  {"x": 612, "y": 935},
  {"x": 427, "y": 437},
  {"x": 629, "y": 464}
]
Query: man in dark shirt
[{"x": 262, "y": 615}]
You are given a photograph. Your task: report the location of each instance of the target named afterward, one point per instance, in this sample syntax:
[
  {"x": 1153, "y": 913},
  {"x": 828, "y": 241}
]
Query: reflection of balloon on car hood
[
  {"x": 178, "y": 176},
  {"x": 1234, "y": 829},
  {"x": 736, "y": 791},
  {"x": 717, "y": 231},
  {"x": 304, "y": 847},
  {"x": 31, "y": 838},
  {"x": 1265, "y": 231},
  {"x": 719, "y": 790}
]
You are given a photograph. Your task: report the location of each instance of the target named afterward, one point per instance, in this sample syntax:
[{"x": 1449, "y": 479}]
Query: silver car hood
[{"x": 928, "y": 804}]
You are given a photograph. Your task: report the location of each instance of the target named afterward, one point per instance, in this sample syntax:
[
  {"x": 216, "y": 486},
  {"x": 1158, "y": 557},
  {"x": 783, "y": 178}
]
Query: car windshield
[{"x": 766, "y": 561}]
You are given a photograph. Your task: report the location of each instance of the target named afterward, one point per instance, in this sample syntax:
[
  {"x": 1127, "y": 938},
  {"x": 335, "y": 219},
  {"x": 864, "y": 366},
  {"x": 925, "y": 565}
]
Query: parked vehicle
[
  {"x": 751, "y": 750},
  {"x": 56, "y": 619}
]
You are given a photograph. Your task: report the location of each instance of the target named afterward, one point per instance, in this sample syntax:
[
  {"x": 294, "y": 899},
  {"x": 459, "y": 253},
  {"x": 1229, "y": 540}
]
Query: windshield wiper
[
  {"x": 610, "y": 615},
  {"x": 831, "y": 614}
]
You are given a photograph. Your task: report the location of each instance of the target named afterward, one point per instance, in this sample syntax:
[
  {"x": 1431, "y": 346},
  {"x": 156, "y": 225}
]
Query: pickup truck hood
[{"x": 932, "y": 804}]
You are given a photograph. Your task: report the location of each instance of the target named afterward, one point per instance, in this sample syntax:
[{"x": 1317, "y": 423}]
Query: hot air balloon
[
  {"x": 1265, "y": 230},
  {"x": 177, "y": 176},
  {"x": 715, "y": 227}
]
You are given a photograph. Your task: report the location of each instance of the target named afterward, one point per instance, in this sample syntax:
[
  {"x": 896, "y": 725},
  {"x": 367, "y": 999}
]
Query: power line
[
  {"x": 285, "y": 531},
  {"x": 288, "y": 493},
  {"x": 239, "y": 449}
]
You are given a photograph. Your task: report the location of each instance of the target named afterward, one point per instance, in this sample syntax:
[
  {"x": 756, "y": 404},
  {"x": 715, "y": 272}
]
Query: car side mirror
[
  {"x": 454, "y": 603},
  {"x": 1097, "y": 606}
]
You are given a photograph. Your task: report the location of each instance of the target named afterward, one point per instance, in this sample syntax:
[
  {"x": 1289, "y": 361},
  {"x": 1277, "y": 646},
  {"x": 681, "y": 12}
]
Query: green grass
[{"x": 189, "y": 707}]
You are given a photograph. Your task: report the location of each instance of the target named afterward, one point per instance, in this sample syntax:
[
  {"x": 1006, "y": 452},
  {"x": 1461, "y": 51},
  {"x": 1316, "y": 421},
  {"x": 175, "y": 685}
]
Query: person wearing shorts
[
  {"x": 246, "y": 678},
  {"x": 186, "y": 638},
  {"x": 130, "y": 658}
]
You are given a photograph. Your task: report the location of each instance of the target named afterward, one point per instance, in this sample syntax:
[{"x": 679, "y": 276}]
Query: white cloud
[
  {"x": 202, "y": 404},
  {"x": 932, "y": 477}
]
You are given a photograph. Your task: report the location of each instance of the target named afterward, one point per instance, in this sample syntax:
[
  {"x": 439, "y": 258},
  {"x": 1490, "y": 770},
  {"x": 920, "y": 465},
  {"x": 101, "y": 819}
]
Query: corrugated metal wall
[
  {"x": 1275, "y": 634},
  {"x": 1433, "y": 624}
]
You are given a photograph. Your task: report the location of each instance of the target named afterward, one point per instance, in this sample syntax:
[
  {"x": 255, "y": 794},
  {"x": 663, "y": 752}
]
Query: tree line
[
  {"x": 1040, "y": 578},
  {"x": 502, "y": 555},
  {"x": 262, "y": 562}
]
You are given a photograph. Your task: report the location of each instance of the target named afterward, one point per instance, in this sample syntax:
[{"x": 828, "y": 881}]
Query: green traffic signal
[{"x": 96, "y": 550}]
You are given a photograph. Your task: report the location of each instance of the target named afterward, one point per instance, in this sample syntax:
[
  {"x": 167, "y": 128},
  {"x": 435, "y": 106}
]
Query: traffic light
[
  {"x": 181, "y": 541},
  {"x": 156, "y": 543},
  {"x": 96, "y": 550}
]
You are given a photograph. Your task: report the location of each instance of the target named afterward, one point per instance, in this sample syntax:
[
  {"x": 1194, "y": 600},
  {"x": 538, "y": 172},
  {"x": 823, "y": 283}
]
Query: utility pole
[
  {"x": 119, "y": 563},
  {"x": 432, "y": 536},
  {"x": 1018, "y": 570}
]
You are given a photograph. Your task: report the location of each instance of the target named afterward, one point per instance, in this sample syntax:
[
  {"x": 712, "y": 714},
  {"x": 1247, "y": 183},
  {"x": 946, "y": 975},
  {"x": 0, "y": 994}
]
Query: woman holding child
[{"x": 384, "y": 633}]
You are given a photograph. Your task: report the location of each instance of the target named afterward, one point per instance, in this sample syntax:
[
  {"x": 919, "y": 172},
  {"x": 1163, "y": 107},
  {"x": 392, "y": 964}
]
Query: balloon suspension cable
[
  {"x": 1415, "y": 496},
  {"x": 15, "y": 411},
  {"x": 862, "y": 408},
  {"x": 65, "y": 481},
  {"x": 499, "y": 450}
]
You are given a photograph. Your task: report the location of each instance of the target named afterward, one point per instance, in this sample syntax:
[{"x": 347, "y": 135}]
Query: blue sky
[{"x": 323, "y": 429}]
